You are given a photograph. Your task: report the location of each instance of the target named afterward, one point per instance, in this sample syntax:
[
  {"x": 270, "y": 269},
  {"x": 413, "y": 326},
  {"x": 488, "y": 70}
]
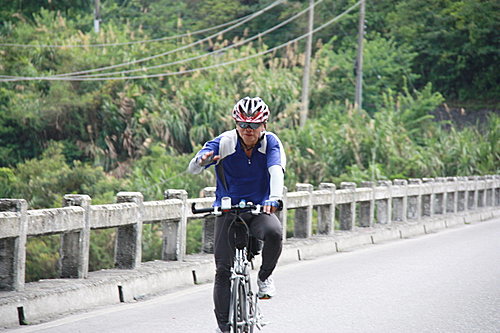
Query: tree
[
  {"x": 43, "y": 181},
  {"x": 456, "y": 44},
  {"x": 386, "y": 66}
]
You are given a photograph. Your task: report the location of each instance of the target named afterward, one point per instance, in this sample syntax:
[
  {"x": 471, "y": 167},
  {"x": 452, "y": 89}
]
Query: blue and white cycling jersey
[{"x": 246, "y": 177}]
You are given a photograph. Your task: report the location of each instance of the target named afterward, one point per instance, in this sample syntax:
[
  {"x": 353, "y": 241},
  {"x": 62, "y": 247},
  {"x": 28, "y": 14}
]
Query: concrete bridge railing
[{"x": 347, "y": 208}]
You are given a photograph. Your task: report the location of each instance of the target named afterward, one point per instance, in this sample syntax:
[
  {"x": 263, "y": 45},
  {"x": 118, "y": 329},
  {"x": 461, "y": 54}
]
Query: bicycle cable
[{"x": 229, "y": 232}]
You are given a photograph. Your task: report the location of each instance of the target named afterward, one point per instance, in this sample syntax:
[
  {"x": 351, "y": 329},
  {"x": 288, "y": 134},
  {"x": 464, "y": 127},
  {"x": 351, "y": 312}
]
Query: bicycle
[{"x": 244, "y": 311}]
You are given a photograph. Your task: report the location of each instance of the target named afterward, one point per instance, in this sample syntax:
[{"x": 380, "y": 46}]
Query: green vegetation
[{"x": 101, "y": 137}]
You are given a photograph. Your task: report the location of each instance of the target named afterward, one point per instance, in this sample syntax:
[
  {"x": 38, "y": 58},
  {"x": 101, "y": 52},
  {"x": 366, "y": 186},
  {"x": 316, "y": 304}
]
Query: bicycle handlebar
[
  {"x": 227, "y": 207},
  {"x": 218, "y": 210}
]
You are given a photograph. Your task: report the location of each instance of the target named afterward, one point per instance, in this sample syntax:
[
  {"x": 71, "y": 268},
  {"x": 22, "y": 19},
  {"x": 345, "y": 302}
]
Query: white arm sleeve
[
  {"x": 277, "y": 182},
  {"x": 194, "y": 167}
]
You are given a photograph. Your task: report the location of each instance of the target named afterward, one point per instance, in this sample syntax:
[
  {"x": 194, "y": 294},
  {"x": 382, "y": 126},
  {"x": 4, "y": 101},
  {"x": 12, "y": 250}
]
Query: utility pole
[
  {"x": 359, "y": 61},
  {"x": 307, "y": 64},
  {"x": 97, "y": 16}
]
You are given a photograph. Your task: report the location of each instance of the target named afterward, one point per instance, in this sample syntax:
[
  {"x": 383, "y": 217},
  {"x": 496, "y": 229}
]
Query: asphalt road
[{"x": 444, "y": 282}]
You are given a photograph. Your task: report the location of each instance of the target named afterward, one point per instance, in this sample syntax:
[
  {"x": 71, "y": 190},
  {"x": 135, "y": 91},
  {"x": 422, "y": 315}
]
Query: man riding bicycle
[{"x": 250, "y": 164}]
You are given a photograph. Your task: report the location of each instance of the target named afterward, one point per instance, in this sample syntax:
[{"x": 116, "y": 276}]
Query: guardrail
[{"x": 346, "y": 208}]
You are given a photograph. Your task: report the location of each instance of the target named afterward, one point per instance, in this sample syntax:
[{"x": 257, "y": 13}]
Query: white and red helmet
[{"x": 251, "y": 110}]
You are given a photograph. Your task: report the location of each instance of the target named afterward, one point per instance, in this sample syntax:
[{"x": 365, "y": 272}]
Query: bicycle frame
[{"x": 244, "y": 312}]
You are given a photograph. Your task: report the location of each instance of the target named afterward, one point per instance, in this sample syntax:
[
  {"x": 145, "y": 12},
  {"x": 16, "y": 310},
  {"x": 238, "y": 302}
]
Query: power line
[
  {"x": 194, "y": 69},
  {"x": 206, "y": 54},
  {"x": 161, "y": 39},
  {"x": 250, "y": 17},
  {"x": 187, "y": 59},
  {"x": 127, "y": 43}
]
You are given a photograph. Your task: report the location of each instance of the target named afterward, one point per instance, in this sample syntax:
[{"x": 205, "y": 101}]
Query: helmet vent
[{"x": 252, "y": 110}]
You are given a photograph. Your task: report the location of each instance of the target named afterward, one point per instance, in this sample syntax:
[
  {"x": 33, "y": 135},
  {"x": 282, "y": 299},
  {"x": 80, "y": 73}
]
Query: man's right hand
[{"x": 208, "y": 158}]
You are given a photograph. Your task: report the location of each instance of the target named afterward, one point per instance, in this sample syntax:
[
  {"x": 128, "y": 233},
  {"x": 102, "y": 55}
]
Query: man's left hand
[{"x": 270, "y": 206}]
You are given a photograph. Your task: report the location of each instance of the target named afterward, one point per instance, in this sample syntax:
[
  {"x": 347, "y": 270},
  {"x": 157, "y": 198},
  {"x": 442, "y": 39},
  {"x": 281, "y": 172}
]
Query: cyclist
[{"x": 250, "y": 164}]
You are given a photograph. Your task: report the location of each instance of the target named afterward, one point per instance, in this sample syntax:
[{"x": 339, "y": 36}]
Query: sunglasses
[{"x": 248, "y": 125}]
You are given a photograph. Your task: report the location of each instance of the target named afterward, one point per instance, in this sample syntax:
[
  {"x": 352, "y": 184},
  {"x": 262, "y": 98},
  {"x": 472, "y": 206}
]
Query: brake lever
[{"x": 257, "y": 210}]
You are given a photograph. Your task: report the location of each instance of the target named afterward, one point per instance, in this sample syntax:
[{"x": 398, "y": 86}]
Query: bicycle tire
[
  {"x": 239, "y": 307},
  {"x": 244, "y": 306},
  {"x": 252, "y": 311},
  {"x": 236, "y": 315},
  {"x": 233, "y": 308}
]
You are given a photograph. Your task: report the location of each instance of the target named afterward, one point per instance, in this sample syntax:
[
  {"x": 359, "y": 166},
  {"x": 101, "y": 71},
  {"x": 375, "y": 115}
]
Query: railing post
[
  {"x": 75, "y": 245},
  {"x": 439, "y": 191},
  {"x": 496, "y": 191},
  {"x": 414, "y": 200},
  {"x": 326, "y": 213},
  {"x": 384, "y": 206},
  {"x": 452, "y": 195},
  {"x": 367, "y": 208},
  {"x": 428, "y": 198},
  {"x": 399, "y": 202},
  {"x": 282, "y": 215},
  {"x": 128, "y": 246},
  {"x": 472, "y": 192},
  {"x": 462, "y": 194},
  {"x": 170, "y": 230},
  {"x": 347, "y": 211},
  {"x": 481, "y": 191},
  {"x": 303, "y": 216},
  {"x": 490, "y": 189},
  {"x": 13, "y": 249},
  {"x": 174, "y": 232},
  {"x": 208, "y": 234}
]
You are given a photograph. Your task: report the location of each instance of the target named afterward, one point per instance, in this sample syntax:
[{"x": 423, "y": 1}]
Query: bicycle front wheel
[{"x": 239, "y": 317}]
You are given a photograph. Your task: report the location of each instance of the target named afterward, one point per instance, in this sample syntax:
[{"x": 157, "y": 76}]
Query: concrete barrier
[{"x": 370, "y": 214}]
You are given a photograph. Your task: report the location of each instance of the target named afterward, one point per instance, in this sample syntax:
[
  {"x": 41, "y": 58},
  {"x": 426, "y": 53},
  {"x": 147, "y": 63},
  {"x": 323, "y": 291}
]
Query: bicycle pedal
[{"x": 261, "y": 325}]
